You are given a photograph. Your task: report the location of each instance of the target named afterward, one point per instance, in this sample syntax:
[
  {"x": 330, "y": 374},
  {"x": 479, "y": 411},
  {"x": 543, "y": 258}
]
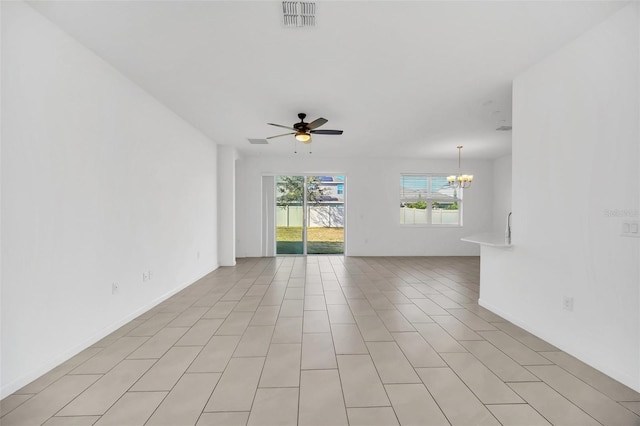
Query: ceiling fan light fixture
[{"x": 303, "y": 137}]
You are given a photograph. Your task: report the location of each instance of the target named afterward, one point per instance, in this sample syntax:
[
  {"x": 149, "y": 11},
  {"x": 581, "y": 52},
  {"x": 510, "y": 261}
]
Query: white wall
[
  {"x": 575, "y": 180},
  {"x": 100, "y": 183},
  {"x": 227, "y": 156},
  {"x": 502, "y": 177},
  {"x": 372, "y": 198}
]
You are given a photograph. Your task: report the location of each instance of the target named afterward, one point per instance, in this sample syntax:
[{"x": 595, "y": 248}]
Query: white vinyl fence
[{"x": 410, "y": 216}]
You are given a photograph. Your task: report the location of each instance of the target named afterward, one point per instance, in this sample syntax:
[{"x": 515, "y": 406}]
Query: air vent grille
[
  {"x": 298, "y": 14},
  {"x": 258, "y": 141},
  {"x": 504, "y": 128}
]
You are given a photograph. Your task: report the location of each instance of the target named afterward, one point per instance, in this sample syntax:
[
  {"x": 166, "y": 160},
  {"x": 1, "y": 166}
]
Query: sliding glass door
[{"x": 310, "y": 214}]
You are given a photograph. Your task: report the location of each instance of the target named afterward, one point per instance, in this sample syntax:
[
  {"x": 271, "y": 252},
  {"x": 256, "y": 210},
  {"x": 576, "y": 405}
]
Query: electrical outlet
[
  {"x": 145, "y": 277},
  {"x": 114, "y": 288},
  {"x": 567, "y": 303},
  {"x": 149, "y": 275},
  {"x": 630, "y": 228}
]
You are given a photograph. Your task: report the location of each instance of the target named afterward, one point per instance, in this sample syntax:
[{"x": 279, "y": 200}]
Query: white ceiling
[{"x": 401, "y": 78}]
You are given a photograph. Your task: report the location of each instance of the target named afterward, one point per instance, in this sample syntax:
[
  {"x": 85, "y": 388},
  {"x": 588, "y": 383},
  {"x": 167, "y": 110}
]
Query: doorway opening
[{"x": 310, "y": 214}]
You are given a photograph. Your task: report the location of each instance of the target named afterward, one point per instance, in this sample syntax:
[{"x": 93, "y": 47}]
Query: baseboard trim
[
  {"x": 625, "y": 379},
  {"x": 96, "y": 337}
]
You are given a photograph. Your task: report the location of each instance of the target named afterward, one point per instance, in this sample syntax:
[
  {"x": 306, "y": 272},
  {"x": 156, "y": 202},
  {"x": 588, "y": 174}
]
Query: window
[{"x": 429, "y": 200}]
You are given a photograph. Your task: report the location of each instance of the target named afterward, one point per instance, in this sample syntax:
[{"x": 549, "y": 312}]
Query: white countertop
[{"x": 492, "y": 239}]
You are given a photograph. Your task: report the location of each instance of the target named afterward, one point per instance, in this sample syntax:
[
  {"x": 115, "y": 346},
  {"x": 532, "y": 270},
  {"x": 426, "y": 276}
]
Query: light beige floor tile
[
  {"x": 220, "y": 310},
  {"x": 553, "y": 406},
  {"x": 275, "y": 406},
  {"x": 106, "y": 359},
  {"x": 438, "y": 338},
  {"x": 413, "y": 314},
  {"x": 352, "y": 292},
  {"x": 414, "y": 405},
  {"x": 471, "y": 320},
  {"x": 159, "y": 344},
  {"x": 189, "y": 317},
  {"x": 360, "y": 382},
  {"x": 605, "y": 384},
  {"x": 483, "y": 313},
  {"x": 133, "y": 409},
  {"x": 235, "y": 324},
  {"x": 273, "y": 296},
  {"x": 361, "y": 307},
  {"x": 316, "y": 322},
  {"x": 248, "y": 304},
  {"x": 314, "y": 303},
  {"x": 12, "y": 402},
  {"x": 517, "y": 414},
  {"x": 372, "y": 329},
  {"x": 291, "y": 308},
  {"x": 235, "y": 294},
  {"x": 484, "y": 384},
  {"x": 455, "y": 328},
  {"x": 294, "y": 293},
  {"x": 373, "y": 416},
  {"x": 410, "y": 292},
  {"x": 417, "y": 350},
  {"x": 347, "y": 339},
  {"x": 594, "y": 403},
  {"x": 514, "y": 349},
  {"x": 45, "y": 380},
  {"x": 392, "y": 365},
  {"x": 321, "y": 401},
  {"x": 443, "y": 301},
  {"x": 288, "y": 330},
  {"x": 318, "y": 352},
  {"x": 215, "y": 355},
  {"x": 103, "y": 393},
  {"x": 72, "y": 421},
  {"x": 153, "y": 325},
  {"x": 633, "y": 406},
  {"x": 255, "y": 341},
  {"x": 394, "y": 320},
  {"x": 396, "y": 297},
  {"x": 429, "y": 307},
  {"x": 185, "y": 402},
  {"x": 223, "y": 419},
  {"x": 458, "y": 403},
  {"x": 334, "y": 297},
  {"x": 282, "y": 366},
  {"x": 500, "y": 364},
  {"x": 257, "y": 290},
  {"x": 525, "y": 337},
  {"x": 167, "y": 370},
  {"x": 265, "y": 315},
  {"x": 201, "y": 332},
  {"x": 237, "y": 386},
  {"x": 340, "y": 314},
  {"x": 314, "y": 289},
  {"x": 45, "y": 404}
]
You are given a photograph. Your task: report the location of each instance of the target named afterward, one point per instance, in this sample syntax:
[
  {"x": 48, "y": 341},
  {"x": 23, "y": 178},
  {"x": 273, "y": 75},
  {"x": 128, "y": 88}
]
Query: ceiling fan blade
[
  {"x": 316, "y": 123},
  {"x": 280, "y": 125},
  {"x": 326, "y": 132},
  {"x": 277, "y": 136}
]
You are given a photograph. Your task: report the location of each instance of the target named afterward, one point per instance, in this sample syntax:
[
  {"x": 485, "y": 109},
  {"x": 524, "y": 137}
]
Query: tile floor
[{"x": 324, "y": 340}]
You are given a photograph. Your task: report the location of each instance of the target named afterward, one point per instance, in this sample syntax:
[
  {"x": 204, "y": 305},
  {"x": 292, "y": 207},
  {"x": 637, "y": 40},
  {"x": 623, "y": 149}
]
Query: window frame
[{"x": 430, "y": 199}]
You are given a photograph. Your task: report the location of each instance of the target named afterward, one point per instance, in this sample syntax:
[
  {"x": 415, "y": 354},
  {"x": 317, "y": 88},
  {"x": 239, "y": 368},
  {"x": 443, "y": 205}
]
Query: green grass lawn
[{"x": 294, "y": 233}]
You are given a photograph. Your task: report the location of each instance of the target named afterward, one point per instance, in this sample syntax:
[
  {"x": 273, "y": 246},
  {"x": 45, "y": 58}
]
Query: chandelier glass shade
[{"x": 460, "y": 180}]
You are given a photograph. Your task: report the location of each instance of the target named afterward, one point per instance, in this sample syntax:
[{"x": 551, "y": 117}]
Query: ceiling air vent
[
  {"x": 504, "y": 128},
  {"x": 258, "y": 141},
  {"x": 298, "y": 14}
]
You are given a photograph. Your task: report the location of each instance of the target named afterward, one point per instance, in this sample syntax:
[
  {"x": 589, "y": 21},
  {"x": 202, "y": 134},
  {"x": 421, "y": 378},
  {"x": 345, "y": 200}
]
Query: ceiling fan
[{"x": 302, "y": 130}]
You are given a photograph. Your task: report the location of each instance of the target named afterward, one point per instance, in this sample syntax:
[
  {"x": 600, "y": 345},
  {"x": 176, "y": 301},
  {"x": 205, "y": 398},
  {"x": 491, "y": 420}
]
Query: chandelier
[{"x": 460, "y": 181}]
